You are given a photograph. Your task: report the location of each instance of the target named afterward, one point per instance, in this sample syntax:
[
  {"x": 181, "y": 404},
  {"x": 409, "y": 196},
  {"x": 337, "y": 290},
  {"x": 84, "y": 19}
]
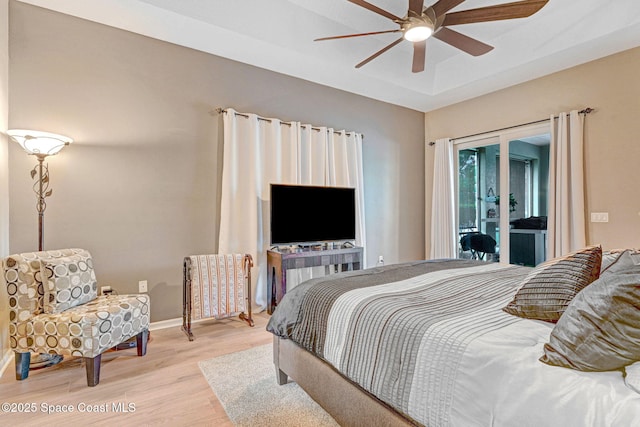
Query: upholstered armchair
[{"x": 54, "y": 308}]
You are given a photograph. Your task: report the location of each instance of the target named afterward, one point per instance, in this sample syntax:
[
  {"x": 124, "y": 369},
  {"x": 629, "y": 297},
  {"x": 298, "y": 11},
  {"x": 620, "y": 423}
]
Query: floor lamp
[{"x": 41, "y": 145}]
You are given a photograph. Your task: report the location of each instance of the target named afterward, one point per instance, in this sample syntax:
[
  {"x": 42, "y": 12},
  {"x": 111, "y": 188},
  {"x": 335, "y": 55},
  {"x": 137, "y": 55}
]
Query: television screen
[{"x": 312, "y": 214}]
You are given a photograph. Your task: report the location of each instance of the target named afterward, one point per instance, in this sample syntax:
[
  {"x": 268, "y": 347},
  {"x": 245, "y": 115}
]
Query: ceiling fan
[{"x": 420, "y": 23}]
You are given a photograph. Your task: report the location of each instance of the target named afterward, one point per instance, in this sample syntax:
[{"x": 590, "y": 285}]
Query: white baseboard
[
  {"x": 170, "y": 323},
  {"x": 7, "y": 359},
  {"x": 164, "y": 324}
]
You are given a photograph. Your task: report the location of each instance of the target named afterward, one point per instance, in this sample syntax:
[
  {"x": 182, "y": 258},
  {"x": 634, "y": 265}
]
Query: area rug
[{"x": 245, "y": 383}]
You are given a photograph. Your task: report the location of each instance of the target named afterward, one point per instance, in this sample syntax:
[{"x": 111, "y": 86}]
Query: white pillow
[{"x": 632, "y": 376}]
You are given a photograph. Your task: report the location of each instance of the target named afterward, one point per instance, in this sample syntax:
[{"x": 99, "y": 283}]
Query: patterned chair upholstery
[{"x": 54, "y": 308}]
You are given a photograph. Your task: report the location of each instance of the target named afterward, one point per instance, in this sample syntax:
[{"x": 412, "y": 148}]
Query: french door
[{"x": 501, "y": 185}]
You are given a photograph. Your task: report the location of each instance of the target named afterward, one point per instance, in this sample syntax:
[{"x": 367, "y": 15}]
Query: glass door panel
[
  {"x": 528, "y": 185},
  {"x": 478, "y": 190}
]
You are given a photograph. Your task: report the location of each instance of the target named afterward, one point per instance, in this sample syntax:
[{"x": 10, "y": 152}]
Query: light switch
[{"x": 599, "y": 216}]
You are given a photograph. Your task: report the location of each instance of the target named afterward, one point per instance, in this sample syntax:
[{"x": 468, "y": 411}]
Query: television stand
[{"x": 281, "y": 260}]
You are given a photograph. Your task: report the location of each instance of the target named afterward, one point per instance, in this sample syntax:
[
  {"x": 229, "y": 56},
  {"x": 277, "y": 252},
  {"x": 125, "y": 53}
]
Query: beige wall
[
  {"x": 4, "y": 172},
  {"x": 139, "y": 187},
  {"x": 612, "y": 149}
]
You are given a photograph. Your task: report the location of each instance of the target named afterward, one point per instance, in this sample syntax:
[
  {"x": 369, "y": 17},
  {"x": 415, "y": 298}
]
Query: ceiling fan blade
[
  {"x": 467, "y": 44},
  {"x": 443, "y": 6},
  {"x": 356, "y": 35},
  {"x": 419, "y": 55},
  {"x": 416, "y": 6},
  {"x": 376, "y": 9},
  {"x": 518, "y": 9},
  {"x": 380, "y": 52}
]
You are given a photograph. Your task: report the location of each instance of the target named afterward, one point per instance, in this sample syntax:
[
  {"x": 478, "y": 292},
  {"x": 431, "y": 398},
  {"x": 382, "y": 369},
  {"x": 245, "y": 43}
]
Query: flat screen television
[{"x": 303, "y": 214}]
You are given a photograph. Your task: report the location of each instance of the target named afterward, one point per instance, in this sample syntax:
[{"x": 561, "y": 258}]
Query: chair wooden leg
[
  {"x": 93, "y": 370},
  {"x": 22, "y": 365},
  {"x": 141, "y": 342}
]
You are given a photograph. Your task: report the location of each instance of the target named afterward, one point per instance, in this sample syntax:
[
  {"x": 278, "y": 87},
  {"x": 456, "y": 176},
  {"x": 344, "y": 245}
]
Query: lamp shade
[{"x": 39, "y": 143}]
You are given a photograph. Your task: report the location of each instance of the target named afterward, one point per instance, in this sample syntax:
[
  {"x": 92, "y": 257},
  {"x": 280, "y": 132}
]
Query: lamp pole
[{"x": 41, "y": 188}]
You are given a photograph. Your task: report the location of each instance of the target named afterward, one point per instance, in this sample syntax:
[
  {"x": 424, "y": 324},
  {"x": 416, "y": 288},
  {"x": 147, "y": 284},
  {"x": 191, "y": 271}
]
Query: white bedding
[{"x": 503, "y": 367}]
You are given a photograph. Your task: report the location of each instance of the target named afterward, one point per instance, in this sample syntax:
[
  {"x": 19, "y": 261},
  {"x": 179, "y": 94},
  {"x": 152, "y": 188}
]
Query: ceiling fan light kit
[
  {"x": 422, "y": 23},
  {"x": 418, "y": 29}
]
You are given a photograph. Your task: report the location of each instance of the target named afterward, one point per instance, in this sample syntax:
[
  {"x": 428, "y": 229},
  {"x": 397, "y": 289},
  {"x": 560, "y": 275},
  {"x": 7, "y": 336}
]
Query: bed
[{"x": 437, "y": 343}]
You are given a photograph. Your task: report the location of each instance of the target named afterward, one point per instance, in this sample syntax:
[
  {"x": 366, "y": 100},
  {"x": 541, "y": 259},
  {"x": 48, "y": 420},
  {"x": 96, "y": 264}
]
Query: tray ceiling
[{"x": 278, "y": 35}]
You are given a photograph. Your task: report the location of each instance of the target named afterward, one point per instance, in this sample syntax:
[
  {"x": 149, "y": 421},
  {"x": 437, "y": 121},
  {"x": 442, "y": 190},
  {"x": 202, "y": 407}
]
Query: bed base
[
  {"x": 345, "y": 401},
  {"x": 186, "y": 296}
]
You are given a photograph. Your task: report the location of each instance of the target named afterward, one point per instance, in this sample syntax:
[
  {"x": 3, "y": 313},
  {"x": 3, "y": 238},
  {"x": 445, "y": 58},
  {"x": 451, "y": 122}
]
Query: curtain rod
[
  {"x": 585, "y": 111},
  {"x": 263, "y": 119}
]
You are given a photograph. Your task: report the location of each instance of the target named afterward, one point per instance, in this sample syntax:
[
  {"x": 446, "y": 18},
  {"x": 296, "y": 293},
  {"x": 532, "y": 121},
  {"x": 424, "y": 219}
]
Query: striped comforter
[{"x": 401, "y": 331}]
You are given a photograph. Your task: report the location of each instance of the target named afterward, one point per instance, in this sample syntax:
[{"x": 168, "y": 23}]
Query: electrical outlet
[
  {"x": 380, "y": 260},
  {"x": 104, "y": 290},
  {"x": 599, "y": 216},
  {"x": 142, "y": 286}
]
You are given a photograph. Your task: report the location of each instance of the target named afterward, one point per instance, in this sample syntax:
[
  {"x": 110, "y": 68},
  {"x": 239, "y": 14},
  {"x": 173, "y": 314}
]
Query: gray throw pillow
[
  {"x": 600, "y": 330},
  {"x": 547, "y": 291},
  {"x": 616, "y": 262}
]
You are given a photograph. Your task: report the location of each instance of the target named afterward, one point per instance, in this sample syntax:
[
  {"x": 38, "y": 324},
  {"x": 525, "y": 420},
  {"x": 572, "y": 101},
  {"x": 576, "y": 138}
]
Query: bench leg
[
  {"x": 93, "y": 370},
  {"x": 141, "y": 342},
  {"x": 22, "y": 365}
]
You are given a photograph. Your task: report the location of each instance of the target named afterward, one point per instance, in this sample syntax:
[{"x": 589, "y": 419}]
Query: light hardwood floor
[{"x": 165, "y": 387}]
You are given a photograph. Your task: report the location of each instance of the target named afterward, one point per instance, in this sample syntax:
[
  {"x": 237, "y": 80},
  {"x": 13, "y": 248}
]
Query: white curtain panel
[
  {"x": 260, "y": 152},
  {"x": 443, "y": 217},
  {"x": 334, "y": 158},
  {"x": 566, "y": 222},
  {"x": 256, "y": 153}
]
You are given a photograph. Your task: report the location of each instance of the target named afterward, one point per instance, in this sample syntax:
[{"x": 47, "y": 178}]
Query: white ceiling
[{"x": 278, "y": 35}]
